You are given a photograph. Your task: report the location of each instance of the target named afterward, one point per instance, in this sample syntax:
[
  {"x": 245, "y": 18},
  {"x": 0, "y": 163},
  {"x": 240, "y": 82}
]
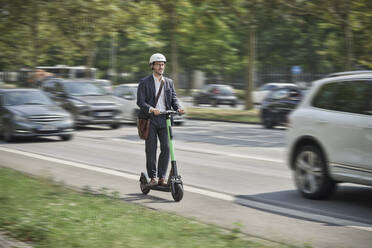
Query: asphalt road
[{"x": 232, "y": 173}]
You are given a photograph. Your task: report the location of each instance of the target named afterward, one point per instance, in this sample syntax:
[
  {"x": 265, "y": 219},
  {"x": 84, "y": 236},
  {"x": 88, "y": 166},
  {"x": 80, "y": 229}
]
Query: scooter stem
[{"x": 170, "y": 137}]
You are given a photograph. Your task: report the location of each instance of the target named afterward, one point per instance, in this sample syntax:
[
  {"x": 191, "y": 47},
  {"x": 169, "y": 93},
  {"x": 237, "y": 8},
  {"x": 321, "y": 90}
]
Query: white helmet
[{"x": 157, "y": 57}]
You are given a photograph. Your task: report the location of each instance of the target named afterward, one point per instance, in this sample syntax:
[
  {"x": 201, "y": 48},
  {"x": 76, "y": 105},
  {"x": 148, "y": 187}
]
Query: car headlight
[{"x": 20, "y": 118}]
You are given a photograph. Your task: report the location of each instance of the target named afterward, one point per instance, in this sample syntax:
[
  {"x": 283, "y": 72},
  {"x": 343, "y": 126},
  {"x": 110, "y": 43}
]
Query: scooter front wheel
[
  {"x": 177, "y": 192},
  {"x": 144, "y": 188}
]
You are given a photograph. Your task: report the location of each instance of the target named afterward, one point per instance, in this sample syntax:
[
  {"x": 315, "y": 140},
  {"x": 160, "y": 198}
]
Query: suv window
[
  {"x": 368, "y": 99},
  {"x": 279, "y": 94},
  {"x": 324, "y": 97},
  {"x": 49, "y": 86},
  {"x": 59, "y": 88},
  {"x": 119, "y": 91},
  {"x": 349, "y": 96}
]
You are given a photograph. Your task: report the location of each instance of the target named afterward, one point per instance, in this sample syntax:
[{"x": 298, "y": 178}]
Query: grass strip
[
  {"x": 249, "y": 116},
  {"x": 50, "y": 215}
]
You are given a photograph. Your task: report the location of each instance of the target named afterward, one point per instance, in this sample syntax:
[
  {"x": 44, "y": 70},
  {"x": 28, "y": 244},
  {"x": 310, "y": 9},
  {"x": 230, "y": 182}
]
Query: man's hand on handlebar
[
  {"x": 155, "y": 111},
  {"x": 181, "y": 111}
]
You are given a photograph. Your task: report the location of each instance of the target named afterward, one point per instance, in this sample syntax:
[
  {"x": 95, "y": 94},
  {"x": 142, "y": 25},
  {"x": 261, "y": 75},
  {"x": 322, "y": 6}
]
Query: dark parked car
[
  {"x": 216, "y": 94},
  {"x": 30, "y": 113},
  {"x": 88, "y": 103},
  {"x": 278, "y": 104}
]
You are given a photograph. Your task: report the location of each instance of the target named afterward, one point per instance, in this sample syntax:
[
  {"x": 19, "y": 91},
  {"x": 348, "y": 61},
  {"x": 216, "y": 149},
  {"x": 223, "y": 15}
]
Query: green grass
[
  {"x": 249, "y": 116},
  {"x": 50, "y": 215}
]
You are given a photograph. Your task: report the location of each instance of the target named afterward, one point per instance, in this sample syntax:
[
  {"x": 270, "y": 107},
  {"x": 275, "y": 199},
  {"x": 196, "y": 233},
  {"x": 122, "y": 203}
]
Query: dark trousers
[{"x": 158, "y": 129}]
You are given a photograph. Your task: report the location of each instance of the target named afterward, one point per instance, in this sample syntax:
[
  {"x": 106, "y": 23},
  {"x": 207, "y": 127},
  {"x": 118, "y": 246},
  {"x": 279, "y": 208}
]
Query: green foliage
[
  {"x": 248, "y": 116},
  {"x": 212, "y": 36}
]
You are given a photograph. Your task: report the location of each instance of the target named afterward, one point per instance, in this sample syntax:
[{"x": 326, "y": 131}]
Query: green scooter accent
[{"x": 174, "y": 184}]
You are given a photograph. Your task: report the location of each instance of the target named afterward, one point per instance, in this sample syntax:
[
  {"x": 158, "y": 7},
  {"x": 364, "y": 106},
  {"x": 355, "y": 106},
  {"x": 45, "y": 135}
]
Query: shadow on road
[
  {"x": 46, "y": 139},
  {"x": 144, "y": 199},
  {"x": 349, "y": 202}
]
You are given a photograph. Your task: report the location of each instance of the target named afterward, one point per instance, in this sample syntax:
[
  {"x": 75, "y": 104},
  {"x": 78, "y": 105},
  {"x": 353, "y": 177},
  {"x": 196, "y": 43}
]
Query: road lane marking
[
  {"x": 211, "y": 152},
  {"x": 205, "y": 192},
  {"x": 73, "y": 164}
]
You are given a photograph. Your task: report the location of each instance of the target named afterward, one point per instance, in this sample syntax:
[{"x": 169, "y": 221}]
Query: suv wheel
[
  {"x": 7, "y": 135},
  {"x": 267, "y": 121},
  {"x": 311, "y": 174},
  {"x": 115, "y": 126},
  {"x": 66, "y": 137}
]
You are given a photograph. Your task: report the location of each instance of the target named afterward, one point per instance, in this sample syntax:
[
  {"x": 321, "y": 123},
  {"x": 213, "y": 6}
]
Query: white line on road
[
  {"x": 213, "y": 194},
  {"x": 212, "y": 152}
]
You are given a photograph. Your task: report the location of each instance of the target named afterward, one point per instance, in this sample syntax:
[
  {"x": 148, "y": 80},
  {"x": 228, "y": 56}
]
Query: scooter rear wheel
[
  {"x": 143, "y": 184},
  {"x": 177, "y": 192}
]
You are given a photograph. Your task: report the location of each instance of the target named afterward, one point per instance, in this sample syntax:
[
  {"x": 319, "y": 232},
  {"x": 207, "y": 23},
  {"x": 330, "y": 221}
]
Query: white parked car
[
  {"x": 128, "y": 94},
  {"x": 330, "y": 135},
  {"x": 260, "y": 94},
  {"x": 105, "y": 84}
]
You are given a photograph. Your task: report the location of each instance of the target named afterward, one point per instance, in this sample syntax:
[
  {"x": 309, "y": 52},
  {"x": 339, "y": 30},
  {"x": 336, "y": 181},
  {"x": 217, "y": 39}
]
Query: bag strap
[{"x": 159, "y": 92}]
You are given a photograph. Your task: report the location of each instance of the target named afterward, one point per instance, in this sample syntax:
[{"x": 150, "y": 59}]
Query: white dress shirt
[{"x": 161, "y": 102}]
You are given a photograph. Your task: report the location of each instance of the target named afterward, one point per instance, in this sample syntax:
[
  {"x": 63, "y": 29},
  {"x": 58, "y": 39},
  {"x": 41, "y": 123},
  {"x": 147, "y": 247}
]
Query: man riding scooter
[{"x": 149, "y": 88}]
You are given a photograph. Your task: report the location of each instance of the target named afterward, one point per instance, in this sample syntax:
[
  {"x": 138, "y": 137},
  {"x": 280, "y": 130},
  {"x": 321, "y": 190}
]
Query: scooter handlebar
[{"x": 170, "y": 112}]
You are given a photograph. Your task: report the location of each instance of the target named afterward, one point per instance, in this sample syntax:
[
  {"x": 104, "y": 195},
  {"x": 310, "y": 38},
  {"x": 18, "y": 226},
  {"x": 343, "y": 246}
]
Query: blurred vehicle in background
[
  {"x": 128, "y": 93},
  {"x": 105, "y": 84},
  {"x": 88, "y": 103},
  {"x": 71, "y": 72},
  {"x": 30, "y": 113},
  {"x": 278, "y": 104},
  {"x": 216, "y": 94},
  {"x": 330, "y": 135},
  {"x": 260, "y": 94}
]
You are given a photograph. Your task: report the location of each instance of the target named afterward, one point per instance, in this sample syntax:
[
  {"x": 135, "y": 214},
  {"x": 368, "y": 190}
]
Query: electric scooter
[{"x": 174, "y": 183}]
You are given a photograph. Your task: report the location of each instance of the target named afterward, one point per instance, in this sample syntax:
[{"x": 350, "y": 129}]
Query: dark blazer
[{"x": 146, "y": 95}]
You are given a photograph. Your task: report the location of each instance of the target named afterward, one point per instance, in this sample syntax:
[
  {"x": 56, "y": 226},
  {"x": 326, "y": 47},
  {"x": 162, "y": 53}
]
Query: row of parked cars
[
  {"x": 62, "y": 104},
  {"x": 276, "y": 100}
]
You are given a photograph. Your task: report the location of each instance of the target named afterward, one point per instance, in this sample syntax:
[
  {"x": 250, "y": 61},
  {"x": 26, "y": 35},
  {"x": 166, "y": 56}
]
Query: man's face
[{"x": 159, "y": 68}]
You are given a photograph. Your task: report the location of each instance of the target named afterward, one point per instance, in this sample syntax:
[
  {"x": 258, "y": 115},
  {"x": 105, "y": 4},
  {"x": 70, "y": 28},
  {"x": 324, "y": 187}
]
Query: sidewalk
[{"x": 8, "y": 242}]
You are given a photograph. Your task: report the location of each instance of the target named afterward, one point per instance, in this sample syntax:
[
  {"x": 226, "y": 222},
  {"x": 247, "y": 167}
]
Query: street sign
[{"x": 296, "y": 69}]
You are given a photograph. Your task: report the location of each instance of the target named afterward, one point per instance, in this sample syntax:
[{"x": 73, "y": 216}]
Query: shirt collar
[{"x": 156, "y": 79}]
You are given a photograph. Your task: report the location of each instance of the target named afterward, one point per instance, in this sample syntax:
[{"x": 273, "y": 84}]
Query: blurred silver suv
[{"x": 330, "y": 135}]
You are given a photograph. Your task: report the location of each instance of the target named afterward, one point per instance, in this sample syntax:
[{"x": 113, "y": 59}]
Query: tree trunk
[
  {"x": 251, "y": 69},
  {"x": 349, "y": 44},
  {"x": 174, "y": 48},
  {"x": 91, "y": 56},
  {"x": 35, "y": 34},
  {"x": 112, "y": 68}
]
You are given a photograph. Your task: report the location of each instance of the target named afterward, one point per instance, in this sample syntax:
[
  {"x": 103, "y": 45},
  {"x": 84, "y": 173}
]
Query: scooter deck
[{"x": 165, "y": 188}]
